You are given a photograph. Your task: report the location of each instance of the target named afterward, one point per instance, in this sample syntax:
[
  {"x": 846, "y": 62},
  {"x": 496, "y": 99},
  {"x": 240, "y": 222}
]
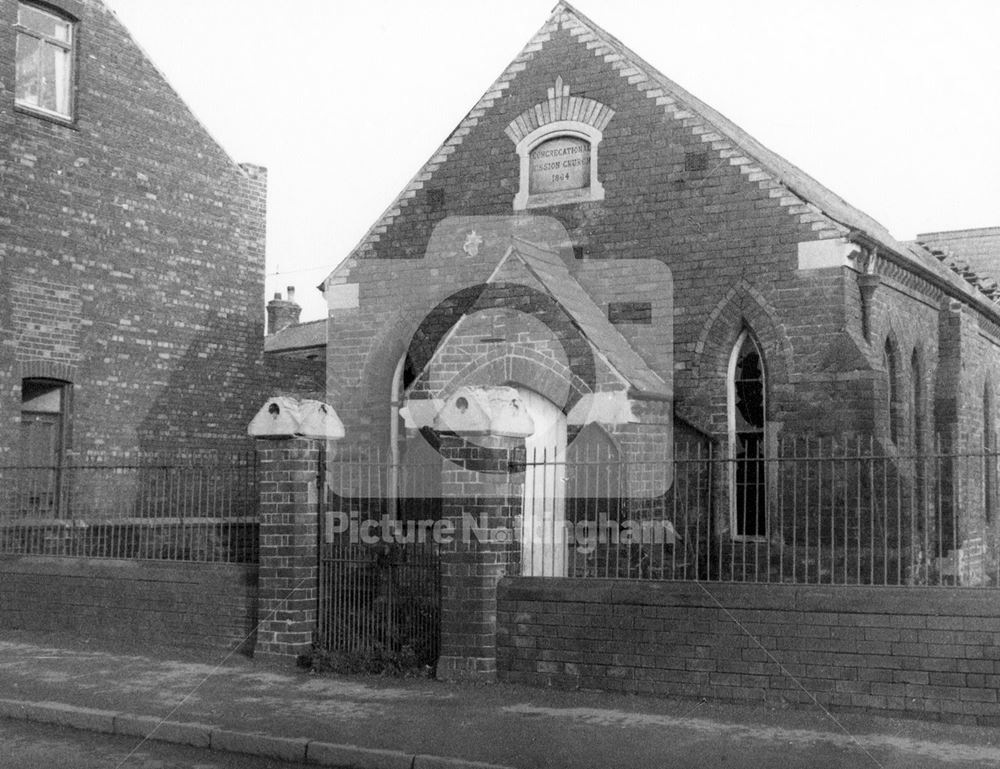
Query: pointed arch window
[
  {"x": 917, "y": 431},
  {"x": 892, "y": 389},
  {"x": 916, "y": 403},
  {"x": 747, "y": 417}
]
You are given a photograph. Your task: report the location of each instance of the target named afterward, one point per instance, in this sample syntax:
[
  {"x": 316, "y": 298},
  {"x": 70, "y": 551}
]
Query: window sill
[
  {"x": 44, "y": 114},
  {"x": 544, "y": 199},
  {"x": 748, "y": 538}
]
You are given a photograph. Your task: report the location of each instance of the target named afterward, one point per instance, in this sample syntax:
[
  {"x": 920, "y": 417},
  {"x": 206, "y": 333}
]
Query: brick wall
[
  {"x": 475, "y": 484},
  {"x": 972, "y": 387},
  {"x": 289, "y": 530},
  {"x": 191, "y": 605},
  {"x": 918, "y": 651},
  {"x": 296, "y": 373}
]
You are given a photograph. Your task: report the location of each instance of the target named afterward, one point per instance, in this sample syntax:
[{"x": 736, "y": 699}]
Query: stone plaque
[
  {"x": 630, "y": 312},
  {"x": 560, "y": 164}
]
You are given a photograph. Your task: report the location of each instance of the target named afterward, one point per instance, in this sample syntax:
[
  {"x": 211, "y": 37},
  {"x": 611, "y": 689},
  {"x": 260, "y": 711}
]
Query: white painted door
[{"x": 543, "y": 538}]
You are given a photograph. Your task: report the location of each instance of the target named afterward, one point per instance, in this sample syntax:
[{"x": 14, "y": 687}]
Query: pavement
[{"x": 232, "y": 703}]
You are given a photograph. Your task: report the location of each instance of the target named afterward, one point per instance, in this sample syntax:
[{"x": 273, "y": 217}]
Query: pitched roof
[
  {"x": 825, "y": 211},
  {"x": 301, "y": 336},
  {"x": 764, "y": 162},
  {"x": 607, "y": 341}
]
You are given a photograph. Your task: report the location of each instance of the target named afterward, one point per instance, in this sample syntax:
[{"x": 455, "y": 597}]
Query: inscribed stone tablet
[{"x": 560, "y": 164}]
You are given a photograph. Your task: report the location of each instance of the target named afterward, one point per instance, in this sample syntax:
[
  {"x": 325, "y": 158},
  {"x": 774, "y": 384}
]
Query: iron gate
[{"x": 379, "y": 594}]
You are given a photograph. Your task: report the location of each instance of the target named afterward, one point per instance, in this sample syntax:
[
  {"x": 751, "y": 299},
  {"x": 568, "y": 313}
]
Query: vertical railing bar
[
  {"x": 956, "y": 514},
  {"x": 741, "y": 522},
  {"x": 795, "y": 509},
  {"x": 845, "y": 554},
  {"x": 991, "y": 538},
  {"x": 780, "y": 490},
  {"x": 885, "y": 523},
  {"x": 760, "y": 464},
  {"x": 900, "y": 491},
  {"x": 732, "y": 514},
  {"x": 834, "y": 551},
  {"x": 873, "y": 501},
  {"x": 930, "y": 491},
  {"x": 858, "y": 471},
  {"x": 914, "y": 507},
  {"x": 943, "y": 473},
  {"x": 703, "y": 472},
  {"x": 807, "y": 522},
  {"x": 820, "y": 505}
]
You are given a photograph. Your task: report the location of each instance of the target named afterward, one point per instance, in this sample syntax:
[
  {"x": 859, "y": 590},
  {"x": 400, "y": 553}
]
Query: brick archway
[{"x": 522, "y": 366}]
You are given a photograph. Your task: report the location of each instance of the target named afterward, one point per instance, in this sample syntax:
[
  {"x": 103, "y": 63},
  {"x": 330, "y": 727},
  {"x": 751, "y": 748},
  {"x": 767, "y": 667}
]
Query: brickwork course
[
  {"x": 288, "y": 542},
  {"x": 131, "y": 257},
  {"x": 907, "y": 650},
  {"x": 199, "y": 606}
]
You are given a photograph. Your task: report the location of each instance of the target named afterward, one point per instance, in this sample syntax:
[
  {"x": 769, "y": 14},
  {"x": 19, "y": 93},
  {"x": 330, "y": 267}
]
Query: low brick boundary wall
[
  {"x": 933, "y": 652},
  {"x": 183, "y": 604}
]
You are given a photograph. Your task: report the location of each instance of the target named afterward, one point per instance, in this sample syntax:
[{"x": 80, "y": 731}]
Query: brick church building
[{"x": 706, "y": 291}]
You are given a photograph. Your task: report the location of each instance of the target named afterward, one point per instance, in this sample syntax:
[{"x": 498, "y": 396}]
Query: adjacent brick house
[
  {"x": 131, "y": 340},
  {"x": 781, "y": 312},
  {"x": 131, "y": 258}
]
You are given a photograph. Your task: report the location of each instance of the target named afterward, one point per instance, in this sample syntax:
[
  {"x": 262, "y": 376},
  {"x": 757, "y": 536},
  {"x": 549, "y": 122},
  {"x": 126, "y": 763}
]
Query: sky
[{"x": 893, "y": 105}]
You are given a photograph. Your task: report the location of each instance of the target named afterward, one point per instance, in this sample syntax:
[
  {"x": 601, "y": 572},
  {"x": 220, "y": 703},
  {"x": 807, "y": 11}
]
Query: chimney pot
[{"x": 282, "y": 313}]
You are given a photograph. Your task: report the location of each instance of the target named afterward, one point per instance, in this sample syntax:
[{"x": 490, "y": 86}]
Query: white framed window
[
  {"x": 44, "y": 56},
  {"x": 747, "y": 416}
]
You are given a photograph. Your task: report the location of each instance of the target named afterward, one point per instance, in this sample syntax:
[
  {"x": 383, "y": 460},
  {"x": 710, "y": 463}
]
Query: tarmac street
[{"x": 236, "y": 705}]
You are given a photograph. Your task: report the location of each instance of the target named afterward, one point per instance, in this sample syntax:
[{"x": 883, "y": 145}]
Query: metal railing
[
  {"x": 180, "y": 510},
  {"x": 813, "y": 512},
  {"x": 806, "y": 511}
]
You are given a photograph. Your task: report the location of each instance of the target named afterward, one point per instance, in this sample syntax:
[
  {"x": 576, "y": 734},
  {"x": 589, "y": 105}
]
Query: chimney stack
[{"x": 282, "y": 313}]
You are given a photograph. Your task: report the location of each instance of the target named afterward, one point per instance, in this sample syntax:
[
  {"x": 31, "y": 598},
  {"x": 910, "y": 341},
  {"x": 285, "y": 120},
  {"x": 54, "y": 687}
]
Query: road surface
[{"x": 25, "y": 745}]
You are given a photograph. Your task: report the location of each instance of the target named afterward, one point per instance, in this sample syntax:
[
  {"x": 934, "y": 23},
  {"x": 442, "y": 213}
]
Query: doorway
[{"x": 543, "y": 520}]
